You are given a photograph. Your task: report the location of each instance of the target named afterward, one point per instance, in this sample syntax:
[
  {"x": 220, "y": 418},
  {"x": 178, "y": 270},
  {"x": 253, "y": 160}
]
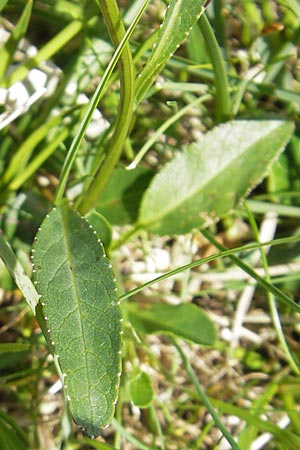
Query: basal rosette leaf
[
  {"x": 211, "y": 177},
  {"x": 80, "y": 306}
]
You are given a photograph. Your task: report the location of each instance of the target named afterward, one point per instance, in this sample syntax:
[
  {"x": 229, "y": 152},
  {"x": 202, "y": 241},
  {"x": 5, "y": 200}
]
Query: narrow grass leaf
[
  {"x": 80, "y": 306},
  {"x": 9, "y": 440},
  {"x": 292, "y": 5},
  {"x": 138, "y": 445},
  {"x": 10, "y": 46},
  {"x": 46, "y": 52},
  {"x": 16, "y": 270},
  {"x": 13, "y": 347},
  {"x": 285, "y": 437},
  {"x": 213, "y": 176},
  {"x": 2, "y": 4},
  {"x": 21, "y": 157},
  {"x": 250, "y": 432},
  {"x": 180, "y": 17},
  {"x": 284, "y": 298},
  {"x": 38, "y": 161}
]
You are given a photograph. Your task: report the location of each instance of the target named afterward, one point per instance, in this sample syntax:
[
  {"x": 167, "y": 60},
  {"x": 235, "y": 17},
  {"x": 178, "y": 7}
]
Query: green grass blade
[
  {"x": 180, "y": 17},
  {"x": 128, "y": 436},
  {"x": 193, "y": 377},
  {"x": 288, "y": 439},
  {"x": 231, "y": 253},
  {"x": 281, "y": 296},
  {"x": 292, "y": 5},
  {"x": 163, "y": 128},
  {"x": 20, "y": 159},
  {"x": 37, "y": 162},
  {"x": 222, "y": 95},
  {"x": 10, "y": 46},
  {"x": 272, "y": 304},
  {"x": 2, "y": 4},
  {"x": 17, "y": 272},
  {"x": 46, "y": 52},
  {"x": 250, "y": 432}
]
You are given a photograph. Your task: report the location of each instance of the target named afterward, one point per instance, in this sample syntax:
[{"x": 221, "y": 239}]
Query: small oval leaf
[
  {"x": 80, "y": 306},
  {"x": 211, "y": 177},
  {"x": 141, "y": 390},
  {"x": 185, "y": 320}
]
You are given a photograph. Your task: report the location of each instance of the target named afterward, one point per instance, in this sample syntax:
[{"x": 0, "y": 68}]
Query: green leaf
[
  {"x": 9, "y": 48},
  {"x": 180, "y": 17},
  {"x": 11, "y": 436},
  {"x": 44, "y": 53},
  {"x": 12, "y": 354},
  {"x": 185, "y": 320},
  {"x": 211, "y": 177},
  {"x": 101, "y": 226},
  {"x": 285, "y": 437},
  {"x": 121, "y": 198},
  {"x": 19, "y": 161},
  {"x": 141, "y": 390},
  {"x": 16, "y": 270},
  {"x": 94, "y": 189},
  {"x": 284, "y": 176},
  {"x": 80, "y": 306},
  {"x": 12, "y": 347},
  {"x": 292, "y": 5},
  {"x": 2, "y": 4}
]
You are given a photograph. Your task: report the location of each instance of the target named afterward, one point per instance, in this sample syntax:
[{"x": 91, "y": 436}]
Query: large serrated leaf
[
  {"x": 78, "y": 295},
  {"x": 211, "y": 177},
  {"x": 180, "y": 17}
]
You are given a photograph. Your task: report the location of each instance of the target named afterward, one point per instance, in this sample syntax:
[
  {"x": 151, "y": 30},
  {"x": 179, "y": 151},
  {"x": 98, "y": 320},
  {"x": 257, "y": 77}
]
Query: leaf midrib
[{"x": 77, "y": 296}]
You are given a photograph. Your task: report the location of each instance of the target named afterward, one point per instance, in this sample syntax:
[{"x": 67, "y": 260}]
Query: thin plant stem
[
  {"x": 89, "y": 112},
  {"x": 223, "y": 102},
  {"x": 164, "y": 127},
  {"x": 128, "y": 436},
  {"x": 230, "y": 253},
  {"x": 124, "y": 237},
  {"x": 115, "y": 26},
  {"x": 272, "y": 304},
  {"x": 253, "y": 274},
  {"x": 206, "y": 402}
]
